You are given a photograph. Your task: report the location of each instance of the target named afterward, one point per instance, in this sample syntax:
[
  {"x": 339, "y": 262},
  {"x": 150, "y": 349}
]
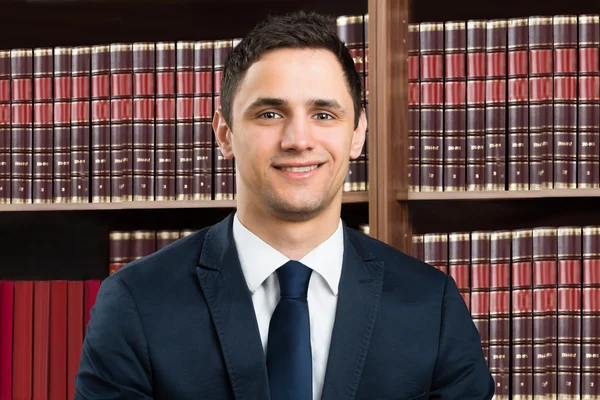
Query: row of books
[
  {"x": 42, "y": 327},
  {"x": 125, "y": 121},
  {"x": 534, "y": 296},
  {"x": 504, "y": 104}
]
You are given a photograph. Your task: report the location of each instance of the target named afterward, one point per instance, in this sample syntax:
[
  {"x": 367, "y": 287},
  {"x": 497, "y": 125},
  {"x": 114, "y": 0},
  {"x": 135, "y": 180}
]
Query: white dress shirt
[{"x": 259, "y": 262}]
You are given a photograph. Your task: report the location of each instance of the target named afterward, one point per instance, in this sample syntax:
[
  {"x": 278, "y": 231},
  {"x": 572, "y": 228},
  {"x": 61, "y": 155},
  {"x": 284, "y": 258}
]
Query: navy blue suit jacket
[{"x": 180, "y": 324}]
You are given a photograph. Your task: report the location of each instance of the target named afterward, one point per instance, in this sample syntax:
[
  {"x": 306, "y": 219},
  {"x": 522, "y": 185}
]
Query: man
[{"x": 281, "y": 300}]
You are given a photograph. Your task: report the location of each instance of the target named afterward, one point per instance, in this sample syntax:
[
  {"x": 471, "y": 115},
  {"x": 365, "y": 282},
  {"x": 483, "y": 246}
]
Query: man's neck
[{"x": 294, "y": 239}]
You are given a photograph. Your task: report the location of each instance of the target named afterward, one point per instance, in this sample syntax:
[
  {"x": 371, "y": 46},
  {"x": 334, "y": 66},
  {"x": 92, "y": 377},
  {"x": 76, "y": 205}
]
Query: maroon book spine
[
  {"x": 165, "y": 121},
  {"x": 414, "y": 108},
  {"x": 185, "y": 121},
  {"x": 500, "y": 253},
  {"x": 22, "y": 125},
  {"x": 203, "y": 113},
  {"x": 121, "y": 122},
  {"x": 540, "y": 103},
  {"x": 522, "y": 314},
  {"x": 476, "y": 62},
  {"x": 544, "y": 312},
  {"x": 569, "y": 312},
  {"x": 518, "y": 104},
  {"x": 223, "y": 171},
  {"x": 120, "y": 250},
  {"x": 432, "y": 106},
  {"x": 590, "y": 328},
  {"x": 588, "y": 107},
  {"x": 459, "y": 260},
  {"x": 63, "y": 164},
  {"x": 5, "y": 162},
  {"x": 165, "y": 238},
  {"x": 80, "y": 124},
  {"x": 418, "y": 247},
  {"x": 436, "y": 250},
  {"x": 143, "y": 121},
  {"x": 100, "y": 143},
  {"x": 455, "y": 107},
  {"x": 480, "y": 287},
  {"x": 143, "y": 244},
  {"x": 495, "y": 105},
  {"x": 42, "y": 131},
  {"x": 565, "y": 101}
]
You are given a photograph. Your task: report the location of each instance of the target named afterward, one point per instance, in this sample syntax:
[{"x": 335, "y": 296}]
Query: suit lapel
[
  {"x": 358, "y": 300},
  {"x": 232, "y": 311}
]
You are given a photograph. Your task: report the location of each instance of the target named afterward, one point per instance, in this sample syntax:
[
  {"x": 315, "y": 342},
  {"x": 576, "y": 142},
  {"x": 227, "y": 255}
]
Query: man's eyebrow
[
  {"x": 267, "y": 102},
  {"x": 326, "y": 103}
]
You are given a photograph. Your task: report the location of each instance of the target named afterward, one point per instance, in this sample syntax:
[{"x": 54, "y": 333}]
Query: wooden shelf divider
[{"x": 499, "y": 195}]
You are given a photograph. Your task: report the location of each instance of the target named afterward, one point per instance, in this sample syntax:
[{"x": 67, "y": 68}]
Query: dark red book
[
  {"x": 590, "y": 327},
  {"x": 436, "y": 250},
  {"x": 120, "y": 250},
  {"x": 100, "y": 143},
  {"x": 81, "y": 128},
  {"x": 22, "y": 360},
  {"x": 165, "y": 121},
  {"x": 143, "y": 243},
  {"x": 41, "y": 339},
  {"x": 459, "y": 260},
  {"x": 63, "y": 154},
  {"x": 90, "y": 293},
  {"x": 414, "y": 107},
  {"x": 165, "y": 238},
  {"x": 75, "y": 296},
  {"x": 143, "y": 121},
  {"x": 7, "y": 295},
  {"x": 42, "y": 128},
  {"x": 522, "y": 314},
  {"x": 418, "y": 247},
  {"x": 184, "y": 147},
  {"x": 22, "y": 125},
  {"x": 121, "y": 122},
  {"x": 58, "y": 341},
  {"x": 5, "y": 144},
  {"x": 588, "y": 107},
  {"x": 480, "y": 287}
]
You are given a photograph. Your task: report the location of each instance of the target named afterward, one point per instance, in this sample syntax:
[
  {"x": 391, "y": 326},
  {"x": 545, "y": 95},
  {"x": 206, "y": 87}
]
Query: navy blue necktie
[{"x": 289, "y": 355}]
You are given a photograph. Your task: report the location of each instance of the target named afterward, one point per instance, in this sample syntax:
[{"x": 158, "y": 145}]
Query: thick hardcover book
[
  {"x": 545, "y": 253},
  {"x": 455, "y": 107},
  {"x": 203, "y": 113},
  {"x": 57, "y": 377},
  {"x": 184, "y": 121},
  {"x": 569, "y": 312},
  {"x": 476, "y": 67},
  {"x": 165, "y": 238},
  {"x": 90, "y": 292},
  {"x": 414, "y": 107},
  {"x": 499, "y": 358},
  {"x": 436, "y": 250},
  {"x": 480, "y": 287},
  {"x": 80, "y": 124},
  {"x": 223, "y": 171},
  {"x": 518, "y": 104},
  {"x": 5, "y": 162},
  {"x": 41, "y": 339},
  {"x": 42, "y": 128},
  {"x": 74, "y": 332},
  {"x": 565, "y": 101},
  {"x": 100, "y": 143},
  {"x": 540, "y": 102},
  {"x": 495, "y": 105},
  {"x": 120, "y": 250},
  {"x": 22, "y": 361},
  {"x": 431, "y": 54},
  {"x": 418, "y": 247},
  {"x": 22, "y": 125},
  {"x": 165, "y": 121},
  {"x": 143, "y": 121},
  {"x": 590, "y": 328},
  {"x": 588, "y": 107},
  {"x": 522, "y": 314},
  {"x": 7, "y": 295},
  {"x": 63, "y": 154},
  {"x": 143, "y": 243},
  {"x": 459, "y": 260},
  {"x": 121, "y": 122}
]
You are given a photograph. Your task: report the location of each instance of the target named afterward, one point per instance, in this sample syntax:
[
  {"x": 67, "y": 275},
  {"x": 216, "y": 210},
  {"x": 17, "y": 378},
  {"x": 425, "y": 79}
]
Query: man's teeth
[{"x": 300, "y": 169}]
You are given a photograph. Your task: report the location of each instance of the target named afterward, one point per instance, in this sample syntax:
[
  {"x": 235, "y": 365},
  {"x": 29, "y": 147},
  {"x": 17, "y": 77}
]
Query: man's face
[{"x": 293, "y": 132}]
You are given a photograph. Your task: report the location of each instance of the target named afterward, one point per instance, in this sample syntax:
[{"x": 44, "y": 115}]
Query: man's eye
[
  {"x": 323, "y": 116},
  {"x": 270, "y": 115}
]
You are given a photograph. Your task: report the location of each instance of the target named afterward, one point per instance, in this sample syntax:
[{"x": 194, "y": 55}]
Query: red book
[
  {"x": 100, "y": 143},
  {"x": 436, "y": 250},
  {"x": 90, "y": 292},
  {"x": 7, "y": 292},
  {"x": 459, "y": 259},
  {"x": 80, "y": 129},
  {"x": 41, "y": 336},
  {"x": 165, "y": 121},
  {"x": 42, "y": 128},
  {"x": 120, "y": 250},
  {"x": 480, "y": 287},
  {"x": 5, "y": 162},
  {"x": 63, "y": 154},
  {"x": 185, "y": 120},
  {"x": 590, "y": 329},
  {"x": 74, "y": 332},
  {"x": 22, "y": 341},
  {"x": 58, "y": 341}
]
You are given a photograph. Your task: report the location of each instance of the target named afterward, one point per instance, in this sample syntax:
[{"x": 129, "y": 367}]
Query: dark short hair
[{"x": 296, "y": 30}]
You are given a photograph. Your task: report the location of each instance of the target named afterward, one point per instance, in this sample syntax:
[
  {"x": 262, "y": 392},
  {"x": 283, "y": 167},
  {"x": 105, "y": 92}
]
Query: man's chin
[{"x": 296, "y": 209}]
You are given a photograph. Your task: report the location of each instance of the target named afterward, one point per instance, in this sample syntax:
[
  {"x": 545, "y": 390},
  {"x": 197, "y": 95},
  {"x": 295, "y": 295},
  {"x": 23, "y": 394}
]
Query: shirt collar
[{"x": 259, "y": 260}]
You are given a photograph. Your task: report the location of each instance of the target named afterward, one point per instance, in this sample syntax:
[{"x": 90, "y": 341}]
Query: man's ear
[
  {"x": 358, "y": 137},
  {"x": 222, "y": 134}
]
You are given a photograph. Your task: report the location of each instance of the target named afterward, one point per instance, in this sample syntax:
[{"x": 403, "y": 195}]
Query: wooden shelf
[
  {"x": 350, "y": 197},
  {"x": 499, "y": 195}
]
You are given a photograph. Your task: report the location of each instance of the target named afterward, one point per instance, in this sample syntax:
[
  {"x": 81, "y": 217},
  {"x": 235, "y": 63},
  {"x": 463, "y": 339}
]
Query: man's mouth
[{"x": 306, "y": 168}]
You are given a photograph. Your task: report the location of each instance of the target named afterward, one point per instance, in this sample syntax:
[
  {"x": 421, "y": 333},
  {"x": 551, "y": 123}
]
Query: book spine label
[
  {"x": 121, "y": 122},
  {"x": 203, "y": 113},
  {"x": 22, "y": 125},
  {"x": 480, "y": 287},
  {"x": 455, "y": 107},
  {"x": 165, "y": 121},
  {"x": 80, "y": 124},
  {"x": 42, "y": 125},
  {"x": 223, "y": 171},
  {"x": 5, "y": 143},
  {"x": 518, "y": 104},
  {"x": 436, "y": 250},
  {"x": 143, "y": 121},
  {"x": 185, "y": 121},
  {"x": 414, "y": 107},
  {"x": 101, "y": 114},
  {"x": 590, "y": 327},
  {"x": 459, "y": 257}
]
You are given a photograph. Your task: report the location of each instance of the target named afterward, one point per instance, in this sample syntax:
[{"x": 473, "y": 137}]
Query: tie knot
[{"x": 293, "y": 279}]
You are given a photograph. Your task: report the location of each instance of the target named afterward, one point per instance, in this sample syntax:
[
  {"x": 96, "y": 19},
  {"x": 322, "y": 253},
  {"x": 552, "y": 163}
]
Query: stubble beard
[{"x": 295, "y": 210}]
